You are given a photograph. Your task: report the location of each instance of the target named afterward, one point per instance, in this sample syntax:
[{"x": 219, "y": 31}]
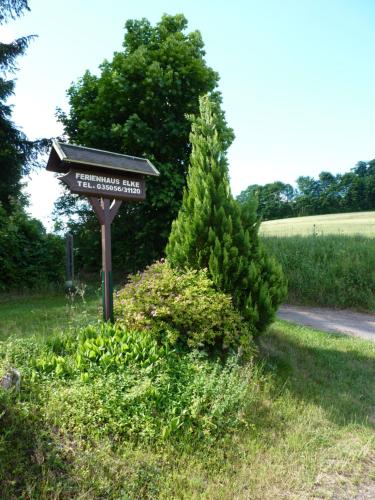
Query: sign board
[
  {"x": 106, "y": 178},
  {"x": 104, "y": 184}
]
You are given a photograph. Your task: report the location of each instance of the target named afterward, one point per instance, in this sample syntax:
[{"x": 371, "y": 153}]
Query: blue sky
[{"x": 297, "y": 77}]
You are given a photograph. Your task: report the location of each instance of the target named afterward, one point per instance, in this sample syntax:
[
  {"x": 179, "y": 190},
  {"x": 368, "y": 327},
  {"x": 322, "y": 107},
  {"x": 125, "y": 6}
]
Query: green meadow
[
  {"x": 328, "y": 271},
  {"x": 305, "y": 429},
  {"x": 362, "y": 223},
  {"x": 329, "y": 260}
]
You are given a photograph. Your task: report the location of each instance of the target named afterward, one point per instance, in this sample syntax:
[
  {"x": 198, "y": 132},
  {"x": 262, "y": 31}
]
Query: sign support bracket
[{"x": 106, "y": 211}]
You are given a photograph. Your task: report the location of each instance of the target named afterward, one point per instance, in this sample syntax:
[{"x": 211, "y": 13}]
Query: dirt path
[{"x": 330, "y": 320}]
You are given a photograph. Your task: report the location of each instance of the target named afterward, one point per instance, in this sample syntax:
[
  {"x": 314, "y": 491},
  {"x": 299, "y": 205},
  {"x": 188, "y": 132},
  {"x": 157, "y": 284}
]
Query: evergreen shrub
[
  {"x": 180, "y": 307},
  {"x": 213, "y": 231}
]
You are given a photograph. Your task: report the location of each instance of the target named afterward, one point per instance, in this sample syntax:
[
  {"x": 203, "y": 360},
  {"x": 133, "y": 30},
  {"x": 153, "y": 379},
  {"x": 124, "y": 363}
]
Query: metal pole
[
  {"x": 107, "y": 263},
  {"x": 69, "y": 262}
]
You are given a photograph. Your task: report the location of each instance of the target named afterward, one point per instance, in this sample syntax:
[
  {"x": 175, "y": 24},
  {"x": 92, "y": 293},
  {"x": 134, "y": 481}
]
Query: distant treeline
[{"x": 353, "y": 191}]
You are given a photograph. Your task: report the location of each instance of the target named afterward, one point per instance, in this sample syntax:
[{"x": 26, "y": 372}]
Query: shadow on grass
[
  {"x": 30, "y": 463},
  {"x": 37, "y": 462},
  {"x": 328, "y": 370}
]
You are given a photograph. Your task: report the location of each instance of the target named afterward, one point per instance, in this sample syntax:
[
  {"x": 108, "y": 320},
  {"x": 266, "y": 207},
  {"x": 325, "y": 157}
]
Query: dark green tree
[
  {"x": 29, "y": 257},
  {"x": 16, "y": 152},
  {"x": 138, "y": 106},
  {"x": 213, "y": 231},
  {"x": 349, "y": 192},
  {"x": 275, "y": 200},
  {"x": 10, "y": 9}
]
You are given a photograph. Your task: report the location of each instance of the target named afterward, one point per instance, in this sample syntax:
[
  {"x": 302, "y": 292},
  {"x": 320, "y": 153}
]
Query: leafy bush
[
  {"x": 186, "y": 397},
  {"x": 103, "y": 346},
  {"x": 21, "y": 353},
  {"x": 180, "y": 307},
  {"x": 36, "y": 258},
  {"x": 107, "y": 381}
]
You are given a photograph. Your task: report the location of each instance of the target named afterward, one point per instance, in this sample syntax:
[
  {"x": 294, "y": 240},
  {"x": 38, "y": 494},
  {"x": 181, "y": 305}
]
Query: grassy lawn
[
  {"x": 25, "y": 316},
  {"x": 313, "y": 436},
  {"x": 351, "y": 223},
  {"x": 310, "y": 435}
]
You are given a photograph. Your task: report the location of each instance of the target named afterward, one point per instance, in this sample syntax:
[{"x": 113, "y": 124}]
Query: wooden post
[
  {"x": 106, "y": 212},
  {"x": 69, "y": 262}
]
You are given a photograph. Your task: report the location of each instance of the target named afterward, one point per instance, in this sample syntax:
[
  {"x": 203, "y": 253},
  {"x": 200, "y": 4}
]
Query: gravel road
[{"x": 331, "y": 320}]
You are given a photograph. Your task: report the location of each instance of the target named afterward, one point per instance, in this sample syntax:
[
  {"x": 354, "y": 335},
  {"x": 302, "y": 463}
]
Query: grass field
[
  {"x": 310, "y": 435},
  {"x": 328, "y": 260},
  {"x": 40, "y": 316},
  {"x": 328, "y": 271},
  {"x": 362, "y": 223}
]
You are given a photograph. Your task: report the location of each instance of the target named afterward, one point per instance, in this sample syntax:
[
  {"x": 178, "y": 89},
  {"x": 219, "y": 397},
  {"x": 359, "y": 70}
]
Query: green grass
[
  {"x": 24, "y": 316},
  {"x": 338, "y": 224},
  {"x": 310, "y": 433},
  {"x": 329, "y": 271}
]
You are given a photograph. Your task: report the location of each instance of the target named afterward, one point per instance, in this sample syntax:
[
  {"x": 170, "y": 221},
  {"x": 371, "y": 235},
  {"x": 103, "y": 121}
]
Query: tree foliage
[
  {"x": 180, "y": 308},
  {"x": 353, "y": 191},
  {"x": 212, "y": 231},
  {"x": 10, "y": 9},
  {"x": 275, "y": 200},
  {"x": 16, "y": 152},
  {"x": 137, "y": 105},
  {"x": 29, "y": 257}
]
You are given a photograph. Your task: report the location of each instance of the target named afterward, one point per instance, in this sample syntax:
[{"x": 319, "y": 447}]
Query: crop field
[{"x": 338, "y": 224}]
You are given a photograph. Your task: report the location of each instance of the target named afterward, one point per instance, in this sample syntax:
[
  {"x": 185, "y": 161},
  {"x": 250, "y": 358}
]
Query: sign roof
[{"x": 63, "y": 155}]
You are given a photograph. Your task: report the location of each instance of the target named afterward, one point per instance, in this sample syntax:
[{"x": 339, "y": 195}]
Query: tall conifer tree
[
  {"x": 212, "y": 231},
  {"x": 16, "y": 152}
]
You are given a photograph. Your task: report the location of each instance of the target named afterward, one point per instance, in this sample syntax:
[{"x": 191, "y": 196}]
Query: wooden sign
[
  {"x": 111, "y": 185},
  {"x": 106, "y": 178}
]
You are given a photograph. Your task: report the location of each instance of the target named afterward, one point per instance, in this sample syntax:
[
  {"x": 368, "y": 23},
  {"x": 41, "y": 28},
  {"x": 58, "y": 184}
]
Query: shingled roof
[{"x": 63, "y": 156}]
